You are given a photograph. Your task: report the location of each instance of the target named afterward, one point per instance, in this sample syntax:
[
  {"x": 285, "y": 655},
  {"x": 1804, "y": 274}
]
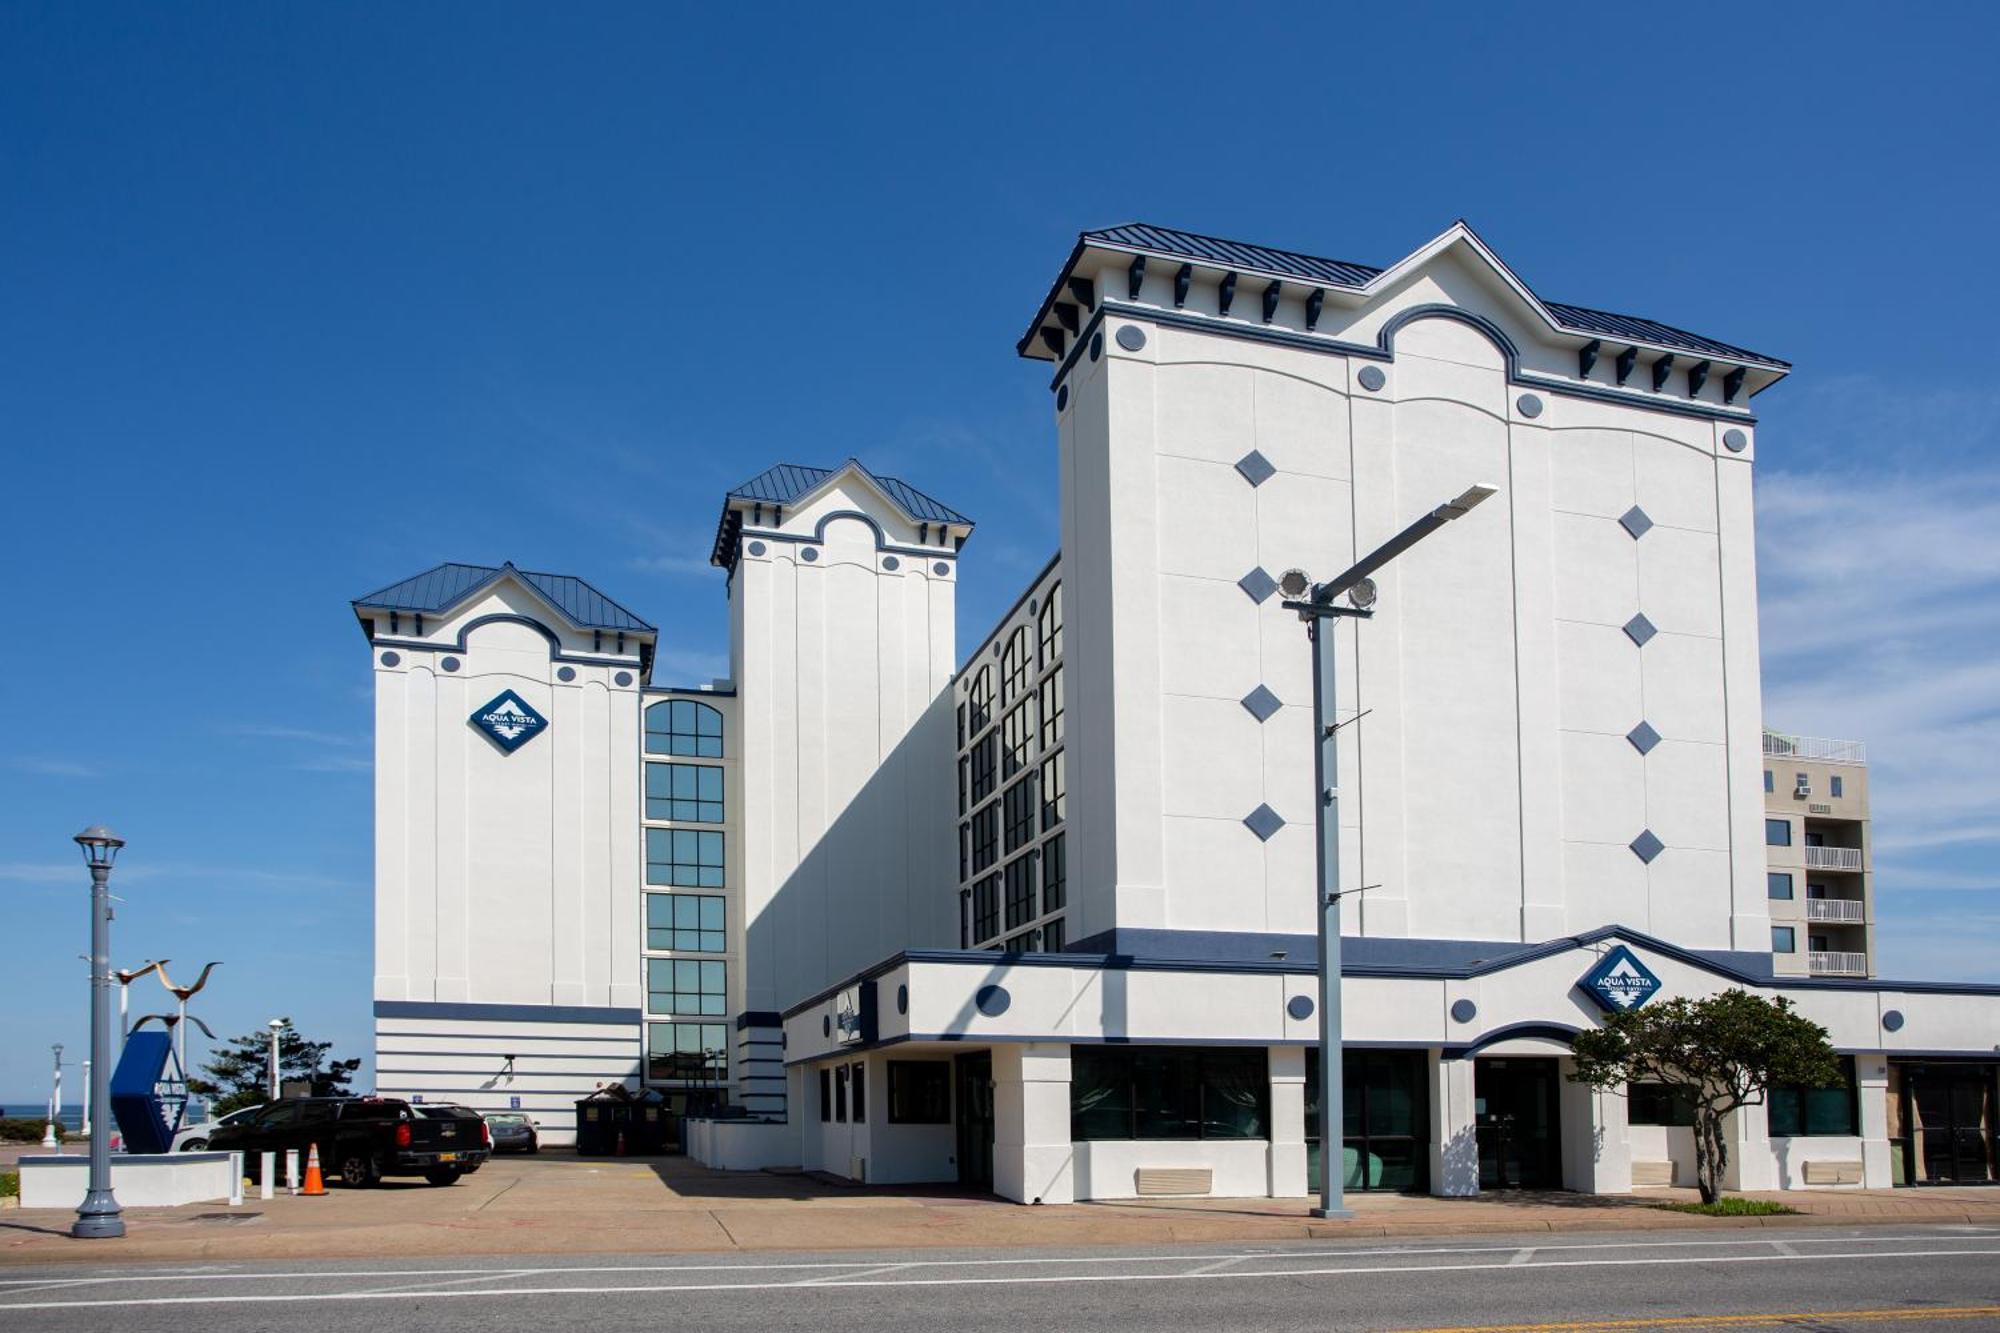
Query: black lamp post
[{"x": 98, "y": 1215}]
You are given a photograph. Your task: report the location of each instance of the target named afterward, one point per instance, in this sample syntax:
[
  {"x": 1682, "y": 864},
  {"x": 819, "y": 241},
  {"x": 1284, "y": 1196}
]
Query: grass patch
[
  {"x": 10, "y": 1184},
  {"x": 1733, "y": 1208}
]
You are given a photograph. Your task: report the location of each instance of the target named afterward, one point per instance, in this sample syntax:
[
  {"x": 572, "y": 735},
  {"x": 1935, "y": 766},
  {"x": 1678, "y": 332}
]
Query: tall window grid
[
  {"x": 1013, "y": 790},
  {"x": 686, "y": 912}
]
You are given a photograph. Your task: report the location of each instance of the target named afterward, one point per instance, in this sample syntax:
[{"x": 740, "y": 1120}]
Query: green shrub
[
  {"x": 1733, "y": 1207},
  {"x": 26, "y": 1129},
  {"x": 10, "y": 1184}
]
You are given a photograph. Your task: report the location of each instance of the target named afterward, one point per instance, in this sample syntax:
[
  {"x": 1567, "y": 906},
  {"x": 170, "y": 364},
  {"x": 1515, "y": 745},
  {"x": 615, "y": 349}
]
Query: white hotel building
[{"x": 1043, "y": 919}]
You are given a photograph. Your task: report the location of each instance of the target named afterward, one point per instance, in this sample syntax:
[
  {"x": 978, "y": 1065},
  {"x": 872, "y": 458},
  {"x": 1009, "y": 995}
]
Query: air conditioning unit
[{"x": 1803, "y": 790}]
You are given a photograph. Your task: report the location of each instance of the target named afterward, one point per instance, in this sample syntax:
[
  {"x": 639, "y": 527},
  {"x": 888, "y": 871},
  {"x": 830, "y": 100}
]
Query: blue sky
[{"x": 299, "y": 300}]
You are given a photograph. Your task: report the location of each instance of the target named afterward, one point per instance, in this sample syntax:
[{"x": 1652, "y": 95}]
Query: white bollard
[
  {"x": 267, "y": 1163},
  {"x": 236, "y": 1180},
  {"x": 292, "y": 1169}
]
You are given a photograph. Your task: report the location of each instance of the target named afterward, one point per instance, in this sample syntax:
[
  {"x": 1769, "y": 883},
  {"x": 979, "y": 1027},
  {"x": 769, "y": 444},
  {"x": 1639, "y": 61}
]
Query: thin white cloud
[
  {"x": 1879, "y": 587},
  {"x": 302, "y": 735},
  {"x": 51, "y": 768}
]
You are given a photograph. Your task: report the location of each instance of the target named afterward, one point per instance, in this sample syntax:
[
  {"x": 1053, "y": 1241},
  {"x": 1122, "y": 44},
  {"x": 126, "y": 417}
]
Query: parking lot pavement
[{"x": 557, "y": 1204}]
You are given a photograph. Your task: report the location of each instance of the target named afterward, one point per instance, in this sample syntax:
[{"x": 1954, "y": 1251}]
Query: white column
[
  {"x": 1288, "y": 1123},
  {"x": 1871, "y": 1086},
  {"x": 1032, "y": 1154},
  {"x": 1596, "y": 1143},
  {"x": 1752, "y": 1165},
  {"x": 1454, "y": 1140}
]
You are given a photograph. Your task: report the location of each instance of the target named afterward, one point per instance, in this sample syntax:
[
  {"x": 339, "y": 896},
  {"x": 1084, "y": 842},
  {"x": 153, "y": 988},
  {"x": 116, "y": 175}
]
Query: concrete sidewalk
[{"x": 560, "y": 1204}]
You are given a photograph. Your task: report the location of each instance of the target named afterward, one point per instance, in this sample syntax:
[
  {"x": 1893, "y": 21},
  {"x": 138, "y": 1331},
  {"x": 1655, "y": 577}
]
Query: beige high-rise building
[{"x": 1821, "y": 870}]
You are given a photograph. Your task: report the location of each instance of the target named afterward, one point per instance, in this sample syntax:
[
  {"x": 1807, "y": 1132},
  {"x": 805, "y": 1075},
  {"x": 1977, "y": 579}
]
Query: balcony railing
[
  {"x": 1838, "y": 964},
  {"x": 1836, "y": 909},
  {"x": 1833, "y": 858},
  {"x": 1815, "y": 747}
]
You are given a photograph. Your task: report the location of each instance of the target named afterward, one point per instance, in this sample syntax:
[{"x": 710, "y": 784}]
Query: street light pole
[
  {"x": 276, "y": 1025},
  {"x": 86, "y": 1099},
  {"x": 1319, "y": 605},
  {"x": 49, "y": 1135},
  {"x": 98, "y": 1216}
]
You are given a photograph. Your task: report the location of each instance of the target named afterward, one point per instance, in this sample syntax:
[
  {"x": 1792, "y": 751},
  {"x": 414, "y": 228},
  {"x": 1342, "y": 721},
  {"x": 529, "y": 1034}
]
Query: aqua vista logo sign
[
  {"x": 509, "y": 721},
  {"x": 1620, "y": 980}
]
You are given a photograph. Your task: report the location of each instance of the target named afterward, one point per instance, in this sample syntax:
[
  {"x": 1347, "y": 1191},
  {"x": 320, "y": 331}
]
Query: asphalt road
[{"x": 1820, "y": 1278}]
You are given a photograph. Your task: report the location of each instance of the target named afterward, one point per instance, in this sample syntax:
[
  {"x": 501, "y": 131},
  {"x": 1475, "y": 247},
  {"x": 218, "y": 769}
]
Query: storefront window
[
  {"x": 1169, "y": 1093},
  {"x": 1815, "y": 1111},
  {"x": 1385, "y": 1105}
]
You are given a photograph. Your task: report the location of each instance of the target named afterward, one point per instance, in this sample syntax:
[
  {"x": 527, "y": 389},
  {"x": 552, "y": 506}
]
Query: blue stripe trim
[
  {"x": 585, "y": 1077},
  {"x": 987, "y": 959},
  {"x": 1385, "y": 352},
  {"x": 380, "y": 1033},
  {"x": 759, "y": 1018},
  {"x": 819, "y": 538},
  {"x": 506, "y": 1013}
]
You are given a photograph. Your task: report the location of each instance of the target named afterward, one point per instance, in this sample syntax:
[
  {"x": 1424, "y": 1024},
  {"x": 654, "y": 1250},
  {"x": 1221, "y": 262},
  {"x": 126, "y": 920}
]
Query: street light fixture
[
  {"x": 99, "y": 1215},
  {"x": 1349, "y": 593}
]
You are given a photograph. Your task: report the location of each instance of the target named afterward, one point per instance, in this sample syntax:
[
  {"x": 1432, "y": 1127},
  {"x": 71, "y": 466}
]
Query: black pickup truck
[{"x": 362, "y": 1139}]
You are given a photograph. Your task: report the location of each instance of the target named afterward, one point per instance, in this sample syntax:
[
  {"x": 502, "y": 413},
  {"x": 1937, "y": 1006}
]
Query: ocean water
[{"x": 72, "y": 1112}]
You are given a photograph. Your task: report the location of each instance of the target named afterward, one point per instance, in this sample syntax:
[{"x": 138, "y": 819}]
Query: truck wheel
[
  {"x": 357, "y": 1170},
  {"x": 442, "y": 1175}
]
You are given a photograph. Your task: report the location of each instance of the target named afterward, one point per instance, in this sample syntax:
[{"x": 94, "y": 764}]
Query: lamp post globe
[{"x": 99, "y": 1216}]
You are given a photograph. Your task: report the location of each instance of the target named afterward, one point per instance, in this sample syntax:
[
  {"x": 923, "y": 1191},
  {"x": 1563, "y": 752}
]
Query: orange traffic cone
[
  {"x": 314, "y": 1183},
  {"x": 621, "y": 1143}
]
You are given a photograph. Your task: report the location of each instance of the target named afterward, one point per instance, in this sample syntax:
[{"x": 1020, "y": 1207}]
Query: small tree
[
  {"x": 1722, "y": 1052},
  {"x": 238, "y": 1070}
]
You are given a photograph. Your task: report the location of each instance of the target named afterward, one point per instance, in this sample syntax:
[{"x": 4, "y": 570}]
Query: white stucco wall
[
  {"x": 842, "y": 665},
  {"x": 472, "y": 843},
  {"x": 1492, "y": 792}
]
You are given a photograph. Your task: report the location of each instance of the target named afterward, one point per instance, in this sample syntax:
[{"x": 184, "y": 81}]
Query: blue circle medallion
[
  {"x": 1300, "y": 1007},
  {"x": 993, "y": 1001}
]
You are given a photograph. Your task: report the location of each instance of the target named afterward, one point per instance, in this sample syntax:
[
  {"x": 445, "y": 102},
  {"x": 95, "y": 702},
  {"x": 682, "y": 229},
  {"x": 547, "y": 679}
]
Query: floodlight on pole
[{"x": 1352, "y": 592}]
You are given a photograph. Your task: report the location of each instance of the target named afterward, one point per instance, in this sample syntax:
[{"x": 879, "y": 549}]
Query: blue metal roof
[
  {"x": 445, "y": 586},
  {"x": 788, "y": 481},
  {"x": 1341, "y": 273}
]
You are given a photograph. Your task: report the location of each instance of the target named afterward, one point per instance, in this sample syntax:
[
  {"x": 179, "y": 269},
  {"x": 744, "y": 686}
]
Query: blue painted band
[
  {"x": 986, "y": 959},
  {"x": 688, "y": 691},
  {"x": 759, "y": 1018},
  {"x": 819, "y": 538},
  {"x": 564, "y": 1079},
  {"x": 506, "y": 1013},
  {"x": 1385, "y": 351}
]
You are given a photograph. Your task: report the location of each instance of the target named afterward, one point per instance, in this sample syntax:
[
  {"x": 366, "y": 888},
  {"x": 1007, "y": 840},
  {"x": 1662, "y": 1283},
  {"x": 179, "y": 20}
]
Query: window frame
[
  {"x": 921, "y": 1103},
  {"x": 704, "y": 744},
  {"x": 698, "y": 807},
  {"x": 1772, "y": 825}
]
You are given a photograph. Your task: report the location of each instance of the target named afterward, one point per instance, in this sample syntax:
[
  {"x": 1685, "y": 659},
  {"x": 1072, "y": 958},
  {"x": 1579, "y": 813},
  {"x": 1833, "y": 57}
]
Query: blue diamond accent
[
  {"x": 1262, "y": 703},
  {"x": 1258, "y": 584},
  {"x": 1263, "y": 821},
  {"x": 1643, "y": 737},
  {"x": 1256, "y": 468},
  {"x": 509, "y": 721},
  {"x": 1647, "y": 846},
  {"x": 1635, "y": 521},
  {"x": 1640, "y": 629},
  {"x": 1620, "y": 980}
]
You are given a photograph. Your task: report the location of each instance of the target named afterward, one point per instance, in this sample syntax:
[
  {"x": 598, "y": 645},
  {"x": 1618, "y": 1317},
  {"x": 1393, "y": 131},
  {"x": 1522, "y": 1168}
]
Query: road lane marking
[
  {"x": 1731, "y": 1320},
  {"x": 1027, "y": 1280},
  {"x": 1314, "y": 1252},
  {"x": 1526, "y": 1256},
  {"x": 834, "y": 1277},
  {"x": 1217, "y": 1266}
]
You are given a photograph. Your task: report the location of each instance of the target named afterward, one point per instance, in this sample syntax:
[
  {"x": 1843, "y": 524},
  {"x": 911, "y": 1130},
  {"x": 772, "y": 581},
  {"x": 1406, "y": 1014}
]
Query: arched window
[
  {"x": 684, "y": 727},
  {"x": 1014, "y": 665},
  {"x": 1052, "y": 625}
]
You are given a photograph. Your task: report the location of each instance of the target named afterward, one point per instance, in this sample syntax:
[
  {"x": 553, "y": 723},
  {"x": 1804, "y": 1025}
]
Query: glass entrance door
[
  {"x": 975, "y": 1119},
  {"x": 1518, "y": 1123},
  {"x": 1951, "y": 1109}
]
